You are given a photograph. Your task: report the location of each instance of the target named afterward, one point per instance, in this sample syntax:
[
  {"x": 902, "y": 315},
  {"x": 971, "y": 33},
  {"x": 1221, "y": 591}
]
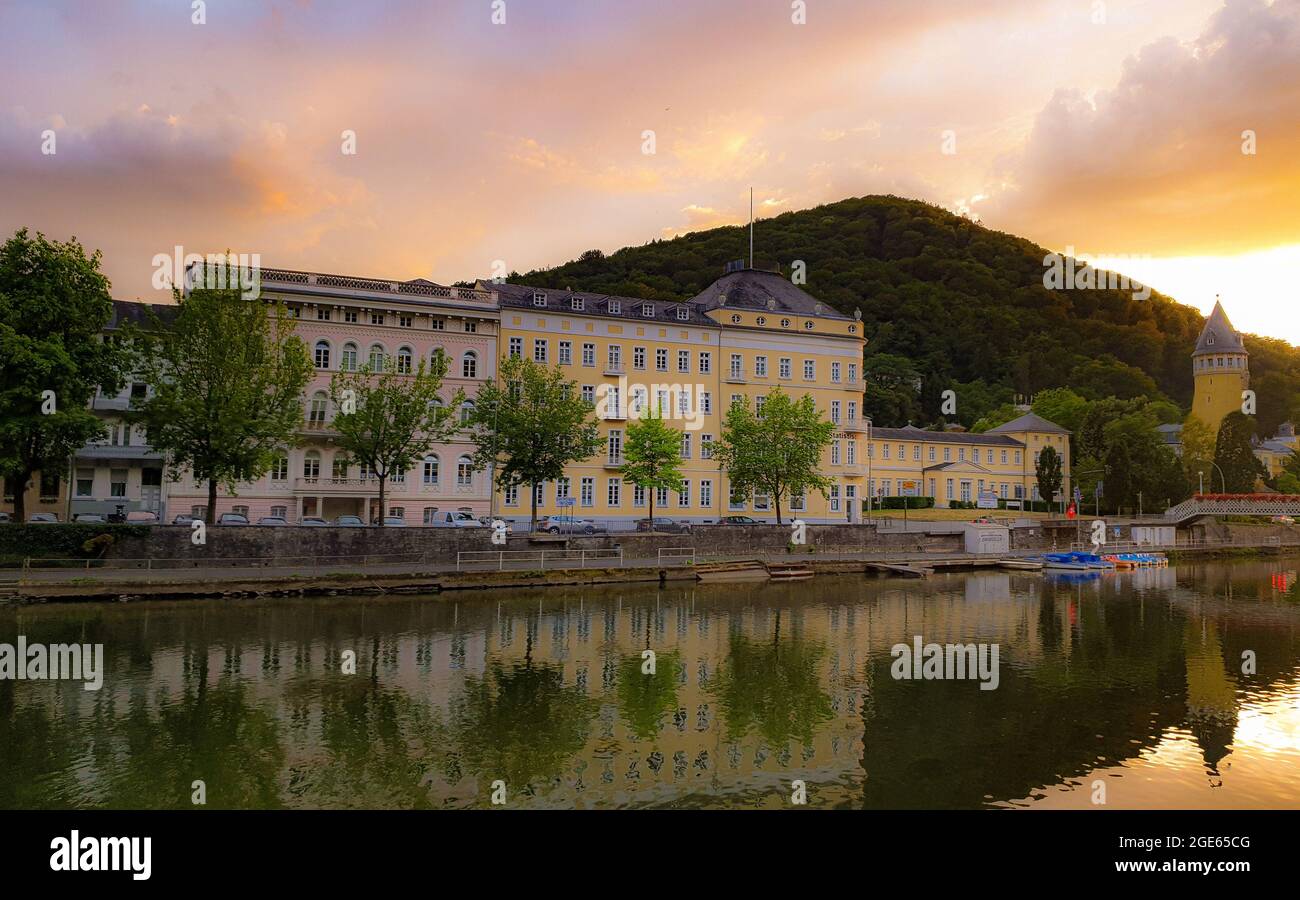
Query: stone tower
[{"x": 1220, "y": 368}]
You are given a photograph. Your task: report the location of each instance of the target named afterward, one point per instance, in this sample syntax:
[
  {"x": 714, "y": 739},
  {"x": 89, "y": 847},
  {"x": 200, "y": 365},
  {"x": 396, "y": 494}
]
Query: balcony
[
  {"x": 614, "y": 462},
  {"x": 859, "y": 426},
  {"x": 614, "y": 370},
  {"x": 735, "y": 377},
  {"x": 332, "y": 486}
]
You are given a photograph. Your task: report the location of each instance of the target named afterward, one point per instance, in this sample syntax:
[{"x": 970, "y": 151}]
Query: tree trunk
[
  {"x": 20, "y": 496},
  {"x": 383, "y": 483},
  {"x": 776, "y": 498},
  {"x": 652, "y": 510},
  {"x": 210, "y": 515},
  {"x": 532, "y": 490}
]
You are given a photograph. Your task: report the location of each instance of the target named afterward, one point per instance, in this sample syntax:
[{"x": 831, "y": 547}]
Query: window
[
  {"x": 405, "y": 321},
  {"x": 684, "y": 361},
  {"x": 614, "y": 494},
  {"x": 758, "y": 406},
  {"x": 686, "y": 445},
  {"x": 931, "y": 454},
  {"x": 736, "y": 500},
  {"x": 835, "y": 372},
  {"x": 735, "y": 319},
  {"x": 539, "y": 350},
  {"x": 587, "y": 492},
  {"x": 430, "y": 515},
  {"x": 539, "y": 298},
  {"x": 916, "y": 452},
  {"x": 464, "y": 472},
  {"x": 512, "y": 495},
  {"x": 575, "y": 303},
  {"x": 437, "y": 325},
  {"x": 809, "y": 370},
  {"x": 431, "y": 470},
  {"x": 404, "y": 360},
  {"x": 835, "y": 498},
  {"x": 853, "y": 373},
  {"x": 316, "y": 412},
  {"x": 661, "y": 497},
  {"x": 851, "y": 453},
  {"x": 539, "y": 493},
  {"x": 614, "y": 447},
  {"x": 884, "y": 451},
  {"x": 961, "y": 454},
  {"x": 737, "y": 366},
  {"x": 240, "y": 511},
  {"x": 339, "y": 468},
  {"x": 615, "y": 358},
  {"x": 835, "y": 412},
  {"x": 322, "y": 313},
  {"x": 376, "y": 318},
  {"x": 311, "y": 465},
  {"x": 684, "y": 400},
  {"x": 762, "y": 502},
  {"x": 638, "y": 495},
  {"x": 648, "y": 310},
  {"x": 469, "y": 365},
  {"x": 947, "y": 454},
  {"x": 762, "y": 320},
  {"x": 566, "y": 353},
  {"x": 349, "y": 361},
  {"x": 589, "y": 394},
  {"x": 706, "y": 362},
  {"x": 661, "y": 360},
  {"x": 706, "y": 403},
  {"x": 376, "y": 358},
  {"x": 810, "y": 325},
  {"x": 638, "y": 357},
  {"x": 322, "y": 354},
  {"x": 760, "y": 366},
  {"x": 85, "y": 486},
  {"x": 706, "y": 492},
  {"x": 683, "y": 313},
  {"x": 562, "y": 488},
  {"x": 589, "y": 354},
  {"x": 280, "y": 469},
  {"x": 281, "y": 511},
  {"x": 350, "y": 316},
  {"x": 835, "y": 452},
  {"x": 684, "y": 495},
  {"x": 516, "y": 347},
  {"x": 783, "y": 369},
  {"x": 616, "y": 306},
  {"x": 466, "y": 412},
  {"x": 198, "y": 512},
  {"x": 471, "y": 327},
  {"x": 1017, "y": 457},
  {"x": 948, "y": 489},
  {"x": 706, "y": 446}
]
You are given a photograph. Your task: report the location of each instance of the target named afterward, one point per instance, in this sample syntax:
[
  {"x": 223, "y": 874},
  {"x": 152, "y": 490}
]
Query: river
[{"x": 1168, "y": 688}]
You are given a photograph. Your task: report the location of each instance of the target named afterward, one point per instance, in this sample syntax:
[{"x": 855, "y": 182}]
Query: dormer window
[
  {"x": 735, "y": 319},
  {"x": 539, "y": 298},
  {"x": 809, "y": 325},
  {"x": 683, "y": 313},
  {"x": 648, "y": 310},
  {"x": 576, "y": 303},
  {"x": 785, "y": 323},
  {"x": 762, "y": 320},
  {"x": 615, "y": 306},
  {"x": 1210, "y": 339}
]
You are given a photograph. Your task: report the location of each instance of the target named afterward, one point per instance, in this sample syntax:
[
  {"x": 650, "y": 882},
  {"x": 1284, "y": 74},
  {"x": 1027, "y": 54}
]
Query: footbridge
[{"x": 1235, "y": 505}]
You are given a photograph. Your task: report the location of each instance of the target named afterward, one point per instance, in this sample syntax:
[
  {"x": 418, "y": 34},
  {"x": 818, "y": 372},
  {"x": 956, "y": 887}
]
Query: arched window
[
  {"x": 469, "y": 365},
  {"x": 322, "y": 354},
  {"x": 311, "y": 465},
  {"x": 339, "y": 467},
  {"x": 349, "y": 361},
  {"x": 466, "y": 411},
  {"x": 376, "y": 358},
  {"x": 464, "y": 471},
  {"x": 404, "y": 360},
  {"x": 431, "y": 469},
  {"x": 319, "y": 407}
]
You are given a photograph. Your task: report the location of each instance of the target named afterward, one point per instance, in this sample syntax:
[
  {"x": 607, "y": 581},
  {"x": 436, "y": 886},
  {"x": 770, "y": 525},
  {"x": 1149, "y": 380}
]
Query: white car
[{"x": 456, "y": 520}]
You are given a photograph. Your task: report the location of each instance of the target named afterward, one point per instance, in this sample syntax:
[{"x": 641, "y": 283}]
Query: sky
[{"x": 1160, "y": 136}]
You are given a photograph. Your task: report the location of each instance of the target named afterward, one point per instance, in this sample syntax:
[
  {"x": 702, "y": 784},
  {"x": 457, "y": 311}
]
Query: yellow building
[
  {"x": 745, "y": 334},
  {"x": 1220, "y": 367}
]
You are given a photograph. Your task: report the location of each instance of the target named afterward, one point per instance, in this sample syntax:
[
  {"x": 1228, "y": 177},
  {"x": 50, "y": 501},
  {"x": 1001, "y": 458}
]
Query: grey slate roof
[
  {"x": 1028, "y": 422},
  {"x": 912, "y": 433},
  {"x": 137, "y": 312},
  {"x": 1218, "y": 335},
  {"x": 520, "y": 296},
  {"x": 759, "y": 289}
]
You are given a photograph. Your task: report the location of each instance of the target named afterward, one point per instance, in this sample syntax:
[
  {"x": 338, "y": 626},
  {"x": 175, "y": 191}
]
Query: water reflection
[{"x": 1136, "y": 678}]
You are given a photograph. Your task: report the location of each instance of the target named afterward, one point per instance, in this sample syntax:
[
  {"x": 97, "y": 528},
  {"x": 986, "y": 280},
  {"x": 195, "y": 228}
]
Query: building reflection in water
[{"x": 754, "y": 685}]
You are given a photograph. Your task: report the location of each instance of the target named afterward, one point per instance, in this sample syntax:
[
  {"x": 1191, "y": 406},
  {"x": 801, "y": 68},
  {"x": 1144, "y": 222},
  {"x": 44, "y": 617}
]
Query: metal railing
[
  {"x": 501, "y": 560},
  {"x": 676, "y": 556}
]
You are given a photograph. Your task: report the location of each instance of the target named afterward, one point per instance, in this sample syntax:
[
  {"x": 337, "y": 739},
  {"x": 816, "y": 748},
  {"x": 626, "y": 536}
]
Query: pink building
[{"x": 345, "y": 323}]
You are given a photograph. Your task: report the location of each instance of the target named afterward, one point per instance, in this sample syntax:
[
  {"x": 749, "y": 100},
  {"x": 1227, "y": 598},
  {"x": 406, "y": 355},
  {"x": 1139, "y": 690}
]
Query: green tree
[
  {"x": 54, "y": 304},
  {"x": 1198, "y": 441},
  {"x": 778, "y": 450},
  {"x": 1235, "y": 455},
  {"x": 891, "y": 386},
  {"x": 227, "y": 377},
  {"x": 1062, "y": 406},
  {"x": 1048, "y": 472},
  {"x": 653, "y": 457},
  {"x": 1137, "y": 462},
  {"x": 387, "y": 420},
  {"x": 530, "y": 425}
]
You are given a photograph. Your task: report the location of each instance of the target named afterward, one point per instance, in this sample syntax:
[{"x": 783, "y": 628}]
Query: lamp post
[{"x": 1224, "y": 480}]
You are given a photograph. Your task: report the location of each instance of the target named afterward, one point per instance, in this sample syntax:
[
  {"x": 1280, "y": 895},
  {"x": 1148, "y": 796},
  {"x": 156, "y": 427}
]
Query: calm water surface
[{"x": 1131, "y": 678}]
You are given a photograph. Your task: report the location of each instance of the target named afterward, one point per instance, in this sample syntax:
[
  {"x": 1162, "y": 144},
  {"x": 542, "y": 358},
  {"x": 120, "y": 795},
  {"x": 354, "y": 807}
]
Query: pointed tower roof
[{"x": 1218, "y": 335}]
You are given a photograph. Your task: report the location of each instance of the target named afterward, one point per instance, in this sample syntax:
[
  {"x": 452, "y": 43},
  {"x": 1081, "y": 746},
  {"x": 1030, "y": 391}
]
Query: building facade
[{"x": 1220, "y": 369}]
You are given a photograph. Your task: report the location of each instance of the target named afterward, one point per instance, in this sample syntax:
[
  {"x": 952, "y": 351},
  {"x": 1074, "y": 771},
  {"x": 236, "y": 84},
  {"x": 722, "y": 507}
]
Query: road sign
[
  {"x": 565, "y": 501},
  {"x": 1078, "y": 495},
  {"x": 1097, "y": 490}
]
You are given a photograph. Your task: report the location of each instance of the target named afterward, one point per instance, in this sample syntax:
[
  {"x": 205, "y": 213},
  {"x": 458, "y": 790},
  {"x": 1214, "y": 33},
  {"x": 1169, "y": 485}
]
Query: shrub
[
  {"x": 65, "y": 540},
  {"x": 905, "y": 503}
]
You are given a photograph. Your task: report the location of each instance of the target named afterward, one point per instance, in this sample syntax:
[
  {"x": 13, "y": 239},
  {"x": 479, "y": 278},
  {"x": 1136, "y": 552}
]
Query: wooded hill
[{"x": 948, "y": 300}]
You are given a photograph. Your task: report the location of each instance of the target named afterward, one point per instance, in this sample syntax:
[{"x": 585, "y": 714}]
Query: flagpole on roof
[{"x": 751, "y": 228}]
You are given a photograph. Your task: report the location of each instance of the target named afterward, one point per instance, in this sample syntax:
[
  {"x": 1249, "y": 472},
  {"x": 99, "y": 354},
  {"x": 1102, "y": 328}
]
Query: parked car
[
  {"x": 1282, "y": 520},
  {"x": 232, "y": 519},
  {"x": 184, "y": 520},
  {"x": 142, "y": 517},
  {"x": 456, "y": 519},
  {"x": 486, "y": 522},
  {"x": 5, "y": 518},
  {"x": 394, "y": 522},
  {"x": 350, "y": 522},
  {"x": 738, "y": 520},
  {"x": 89, "y": 519},
  {"x": 43, "y": 519},
  {"x": 273, "y": 520},
  {"x": 557, "y": 525},
  {"x": 663, "y": 525},
  {"x": 313, "y": 520},
  {"x": 982, "y": 520}
]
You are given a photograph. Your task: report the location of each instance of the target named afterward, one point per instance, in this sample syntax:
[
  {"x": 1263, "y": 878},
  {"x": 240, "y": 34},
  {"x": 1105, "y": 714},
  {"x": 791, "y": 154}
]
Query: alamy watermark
[
  {"x": 688, "y": 403},
  {"x": 53, "y": 662},
  {"x": 1074, "y": 271},
  {"x": 946, "y": 662},
  {"x": 215, "y": 271}
]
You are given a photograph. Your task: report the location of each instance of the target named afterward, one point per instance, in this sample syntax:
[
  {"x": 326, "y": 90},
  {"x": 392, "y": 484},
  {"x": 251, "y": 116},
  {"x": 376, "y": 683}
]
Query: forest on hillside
[{"x": 948, "y": 304}]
